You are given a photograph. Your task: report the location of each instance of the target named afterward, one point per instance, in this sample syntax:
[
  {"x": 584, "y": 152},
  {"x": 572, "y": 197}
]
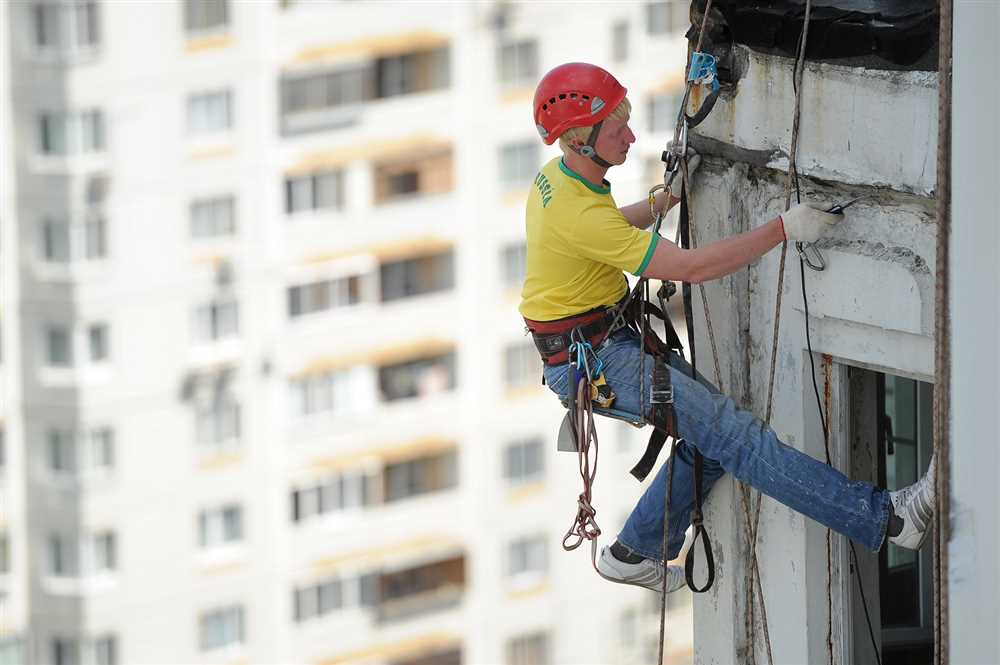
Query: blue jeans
[{"x": 730, "y": 440}]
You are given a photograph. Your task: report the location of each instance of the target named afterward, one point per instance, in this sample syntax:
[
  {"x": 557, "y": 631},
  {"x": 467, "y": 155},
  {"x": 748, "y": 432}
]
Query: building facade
[{"x": 266, "y": 396}]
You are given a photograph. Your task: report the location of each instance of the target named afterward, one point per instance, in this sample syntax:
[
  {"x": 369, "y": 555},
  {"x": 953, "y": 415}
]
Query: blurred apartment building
[{"x": 266, "y": 395}]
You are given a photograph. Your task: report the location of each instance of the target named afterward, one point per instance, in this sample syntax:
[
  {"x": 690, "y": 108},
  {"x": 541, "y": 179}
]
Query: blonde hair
[{"x": 620, "y": 112}]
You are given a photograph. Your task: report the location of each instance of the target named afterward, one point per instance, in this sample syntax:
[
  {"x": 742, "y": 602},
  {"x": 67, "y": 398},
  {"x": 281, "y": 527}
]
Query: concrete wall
[
  {"x": 862, "y": 133},
  {"x": 973, "y": 576}
]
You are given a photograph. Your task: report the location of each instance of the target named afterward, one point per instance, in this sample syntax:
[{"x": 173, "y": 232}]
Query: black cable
[{"x": 826, "y": 436}]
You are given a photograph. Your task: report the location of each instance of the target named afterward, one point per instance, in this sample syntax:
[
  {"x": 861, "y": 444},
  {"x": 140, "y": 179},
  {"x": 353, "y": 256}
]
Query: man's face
[{"x": 614, "y": 140}]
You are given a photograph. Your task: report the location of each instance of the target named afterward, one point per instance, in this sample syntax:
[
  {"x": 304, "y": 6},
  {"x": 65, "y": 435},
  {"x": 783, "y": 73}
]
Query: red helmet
[{"x": 574, "y": 95}]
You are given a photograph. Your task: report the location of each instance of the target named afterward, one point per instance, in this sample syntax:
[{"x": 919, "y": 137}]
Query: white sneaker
[
  {"x": 647, "y": 573},
  {"x": 915, "y": 504}
]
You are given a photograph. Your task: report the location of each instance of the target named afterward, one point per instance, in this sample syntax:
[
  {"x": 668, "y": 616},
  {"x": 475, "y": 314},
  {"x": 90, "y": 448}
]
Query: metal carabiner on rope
[
  {"x": 803, "y": 249},
  {"x": 675, "y": 152}
]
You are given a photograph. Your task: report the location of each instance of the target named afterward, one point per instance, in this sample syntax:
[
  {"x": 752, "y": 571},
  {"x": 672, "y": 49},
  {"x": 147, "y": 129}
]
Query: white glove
[
  {"x": 807, "y": 222},
  {"x": 694, "y": 161}
]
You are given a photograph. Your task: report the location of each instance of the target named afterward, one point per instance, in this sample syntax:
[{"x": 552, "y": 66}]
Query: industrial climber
[{"x": 579, "y": 242}]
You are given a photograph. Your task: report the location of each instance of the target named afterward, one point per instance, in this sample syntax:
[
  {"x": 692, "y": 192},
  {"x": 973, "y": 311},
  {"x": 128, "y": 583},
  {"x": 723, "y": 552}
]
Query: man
[{"x": 579, "y": 242}]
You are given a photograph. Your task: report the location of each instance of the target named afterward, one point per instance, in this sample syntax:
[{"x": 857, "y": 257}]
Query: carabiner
[{"x": 803, "y": 250}]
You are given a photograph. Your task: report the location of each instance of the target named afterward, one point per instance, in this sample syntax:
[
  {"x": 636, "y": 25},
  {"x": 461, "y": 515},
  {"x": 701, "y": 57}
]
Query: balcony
[{"x": 419, "y": 590}]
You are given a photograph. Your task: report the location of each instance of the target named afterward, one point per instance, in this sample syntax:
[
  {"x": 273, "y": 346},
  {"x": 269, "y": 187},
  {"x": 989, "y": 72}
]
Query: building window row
[
  {"x": 394, "y": 481},
  {"x": 398, "y": 279},
  {"x": 392, "y": 595},
  {"x": 330, "y": 99}
]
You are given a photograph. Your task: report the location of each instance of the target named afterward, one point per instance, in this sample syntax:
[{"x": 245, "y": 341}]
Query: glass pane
[
  {"x": 328, "y": 190},
  {"x": 98, "y": 335},
  {"x": 59, "y": 350},
  {"x": 906, "y": 443},
  {"x": 55, "y": 241},
  {"x": 95, "y": 238}
]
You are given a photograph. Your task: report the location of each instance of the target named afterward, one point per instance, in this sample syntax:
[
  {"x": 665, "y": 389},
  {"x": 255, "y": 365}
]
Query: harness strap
[
  {"x": 698, "y": 522},
  {"x": 590, "y": 149},
  {"x": 697, "y": 519},
  {"x": 663, "y": 418}
]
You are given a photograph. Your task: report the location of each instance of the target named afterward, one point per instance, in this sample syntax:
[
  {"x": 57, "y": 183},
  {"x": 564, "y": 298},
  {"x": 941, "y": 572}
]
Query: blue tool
[{"x": 703, "y": 70}]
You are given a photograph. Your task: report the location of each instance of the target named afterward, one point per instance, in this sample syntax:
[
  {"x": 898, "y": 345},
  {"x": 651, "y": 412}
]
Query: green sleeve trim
[{"x": 649, "y": 254}]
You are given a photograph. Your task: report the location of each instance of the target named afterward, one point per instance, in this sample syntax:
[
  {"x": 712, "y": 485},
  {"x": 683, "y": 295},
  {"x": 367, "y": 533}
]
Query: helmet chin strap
[{"x": 589, "y": 150}]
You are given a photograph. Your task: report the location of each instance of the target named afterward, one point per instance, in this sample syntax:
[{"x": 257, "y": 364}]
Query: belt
[{"x": 552, "y": 338}]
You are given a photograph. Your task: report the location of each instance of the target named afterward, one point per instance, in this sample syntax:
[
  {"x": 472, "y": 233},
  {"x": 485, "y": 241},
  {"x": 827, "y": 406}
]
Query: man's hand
[
  {"x": 807, "y": 222},
  {"x": 694, "y": 161}
]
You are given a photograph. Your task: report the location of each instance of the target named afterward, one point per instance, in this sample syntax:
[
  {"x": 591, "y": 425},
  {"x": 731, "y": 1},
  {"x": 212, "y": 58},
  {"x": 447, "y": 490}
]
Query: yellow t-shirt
[{"x": 578, "y": 245}]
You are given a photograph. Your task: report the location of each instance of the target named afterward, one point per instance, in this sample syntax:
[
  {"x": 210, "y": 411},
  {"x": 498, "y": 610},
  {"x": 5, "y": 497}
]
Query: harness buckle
[{"x": 661, "y": 395}]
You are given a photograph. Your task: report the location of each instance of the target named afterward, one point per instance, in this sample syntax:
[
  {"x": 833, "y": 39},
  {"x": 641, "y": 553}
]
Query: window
[
  {"x": 213, "y": 217},
  {"x": 410, "y": 73},
  {"x": 417, "y": 378},
  {"x": 216, "y": 320},
  {"x": 666, "y": 16},
  {"x": 417, "y": 276},
  {"x": 527, "y": 555},
  {"x": 339, "y": 491},
  {"x": 519, "y": 63},
  {"x": 452, "y": 656},
  {"x": 4, "y": 553},
  {"x": 55, "y": 241},
  {"x": 218, "y": 424},
  {"x": 209, "y": 112},
  {"x": 663, "y": 109},
  {"x": 423, "y": 579},
  {"x": 518, "y": 163},
  {"x": 66, "y": 27},
  {"x": 71, "y": 133},
  {"x": 317, "y": 600},
  {"x": 62, "y": 556},
  {"x": 63, "y": 242},
  {"x": 324, "y": 100},
  {"x": 323, "y": 190},
  {"x": 220, "y": 526},
  {"x": 522, "y": 365},
  {"x": 102, "y": 448},
  {"x": 97, "y": 338},
  {"x": 410, "y": 478},
  {"x": 905, "y": 576},
  {"x": 204, "y": 15},
  {"x": 895, "y": 414},
  {"x": 65, "y": 652},
  {"x": 62, "y": 451},
  {"x": 105, "y": 552},
  {"x": 428, "y": 174},
  {"x": 532, "y": 649},
  {"x": 619, "y": 42},
  {"x": 106, "y": 650},
  {"x": 514, "y": 260},
  {"x": 523, "y": 461},
  {"x": 95, "y": 232},
  {"x": 96, "y": 451},
  {"x": 221, "y": 628},
  {"x": 325, "y": 392},
  {"x": 323, "y": 295},
  {"x": 59, "y": 347}
]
